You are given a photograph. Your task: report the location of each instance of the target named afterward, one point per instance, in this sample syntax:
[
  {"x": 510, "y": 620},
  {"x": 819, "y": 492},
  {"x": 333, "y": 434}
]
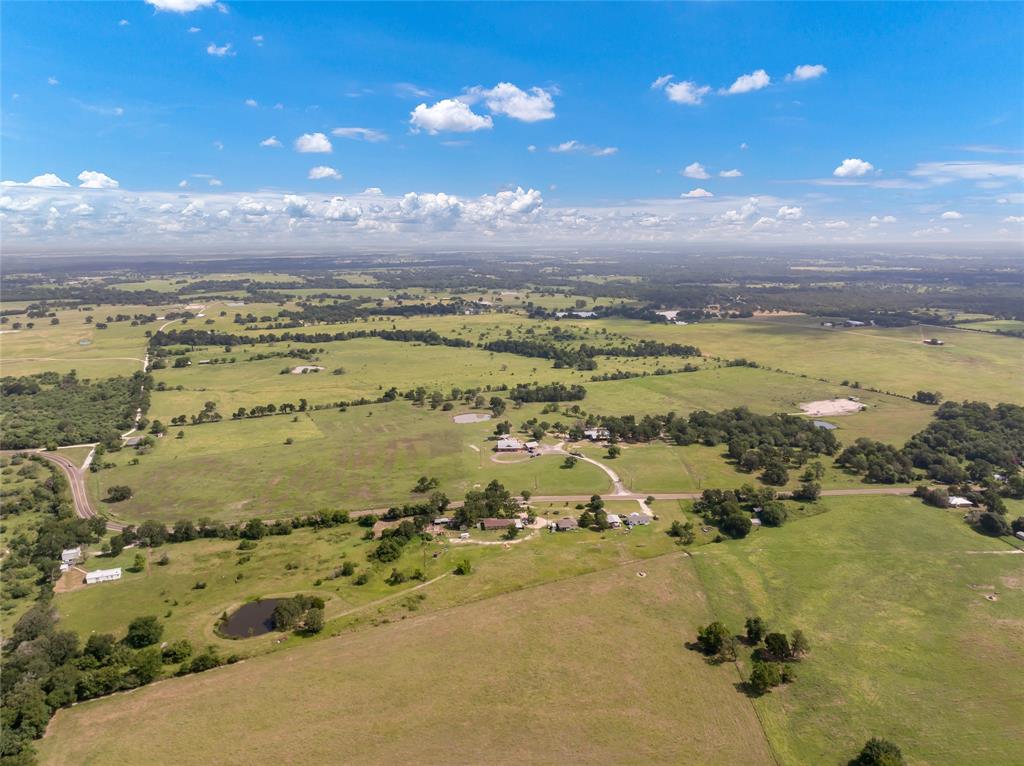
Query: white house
[
  {"x": 638, "y": 519},
  {"x": 614, "y": 521},
  {"x": 71, "y": 556},
  {"x": 102, "y": 575}
]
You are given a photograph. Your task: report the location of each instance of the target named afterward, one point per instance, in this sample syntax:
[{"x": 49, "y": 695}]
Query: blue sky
[{"x": 183, "y": 120}]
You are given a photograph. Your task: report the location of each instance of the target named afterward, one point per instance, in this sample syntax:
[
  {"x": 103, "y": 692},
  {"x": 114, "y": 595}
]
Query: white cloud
[
  {"x": 183, "y": 184},
  {"x": 695, "y": 170},
  {"x": 251, "y": 102},
  {"x": 568, "y": 147},
  {"x": 853, "y": 168},
  {"x": 448, "y": 115},
  {"x": 180, "y": 6},
  {"x": 875, "y": 221},
  {"x": 220, "y": 50},
  {"x": 741, "y": 215},
  {"x": 271, "y": 142},
  {"x": 836, "y": 225},
  {"x": 321, "y": 172},
  {"x": 409, "y": 90},
  {"x": 313, "y": 143},
  {"x": 252, "y": 207},
  {"x": 662, "y": 81},
  {"x": 1014, "y": 219},
  {"x": 361, "y": 134},
  {"x": 47, "y": 179},
  {"x": 951, "y": 215},
  {"x": 686, "y": 92},
  {"x": 83, "y": 208},
  {"x": 93, "y": 179},
  {"x": 193, "y": 30},
  {"x": 697, "y": 193},
  {"x": 106, "y": 111},
  {"x": 744, "y": 146},
  {"x": 787, "y": 213},
  {"x": 531, "y": 148},
  {"x": 748, "y": 83},
  {"x": 123, "y": 23},
  {"x": 258, "y": 39},
  {"x": 512, "y": 101},
  {"x": 218, "y": 145},
  {"x": 931, "y": 231},
  {"x": 734, "y": 173},
  {"x": 279, "y": 106},
  {"x": 946, "y": 172},
  {"x": 214, "y": 182},
  {"x": 807, "y": 72},
  {"x": 52, "y": 81},
  {"x": 372, "y": 191},
  {"x": 340, "y": 209}
]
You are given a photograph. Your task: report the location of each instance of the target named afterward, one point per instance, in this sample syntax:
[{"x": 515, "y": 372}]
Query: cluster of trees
[
  {"x": 582, "y": 357},
  {"x": 491, "y": 502},
  {"x": 879, "y": 462},
  {"x": 305, "y": 613},
  {"x": 53, "y": 410},
  {"x": 199, "y": 337},
  {"x": 393, "y": 541},
  {"x": 773, "y": 651},
  {"x": 594, "y": 515},
  {"x": 730, "y": 509},
  {"x": 550, "y": 392},
  {"x": 46, "y": 668}
]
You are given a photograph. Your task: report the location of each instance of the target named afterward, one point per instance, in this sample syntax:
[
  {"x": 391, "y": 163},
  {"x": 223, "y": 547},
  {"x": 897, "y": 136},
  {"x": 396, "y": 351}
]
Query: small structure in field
[
  {"x": 614, "y": 521},
  {"x": 825, "y": 425},
  {"x": 102, "y": 575},
  {"x": 596, "y": 434},
  {"x": 531, "y": 446},
  {"x": 955, "y": 501},
  {"x": 637, "y": 520},
  {"x": 442, "y": 521},
  {"x": 509, "y": 444},
  {"x": 1019, "y": 535},
  {"x": 935, "y": 342},
  {"x": 564, "y": 525},
  {"x": 133, "y": 441},
  {"x": 854, "y": 323}
]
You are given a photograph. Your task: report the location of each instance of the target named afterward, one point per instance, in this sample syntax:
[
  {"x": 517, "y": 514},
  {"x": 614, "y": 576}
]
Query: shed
[
  {"x": 442, "y": 521},
  {"x": 565, "y": 525},
  {"x": 614, "y": 520},
  {"x": 490, "y": 524},
  {"x": 133, "y": 441},
  {"x": 955, "y": 501},
  {"x": 508, "y": 444},
  {"x": 71, "y": 555},
  {"x": 102, "y": 575},
  {"x": 825, "y": 425}
]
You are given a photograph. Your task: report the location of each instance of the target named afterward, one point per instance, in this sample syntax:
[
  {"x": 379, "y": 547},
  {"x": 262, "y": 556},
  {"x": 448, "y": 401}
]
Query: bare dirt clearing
[{"x": 831, "y": 407}]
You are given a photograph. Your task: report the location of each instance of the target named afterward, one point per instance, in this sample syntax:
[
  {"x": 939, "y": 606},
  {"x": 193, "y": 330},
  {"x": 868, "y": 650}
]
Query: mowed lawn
[
  {"x": 891, "y": 595},
  {"x": 493, "y": 682},
  {"x": 971, "y": 365},
  {"x": 366, "y": 457}
]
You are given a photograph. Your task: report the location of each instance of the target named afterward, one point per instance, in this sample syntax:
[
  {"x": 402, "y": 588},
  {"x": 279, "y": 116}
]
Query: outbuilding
[
  {"x": 492, "y": 524},
  {"x": 565, "y": 525},
  {"x": 596, "y": 434},
  {"x": 955, "y": 501},
  {"x": 508, "y": 444},
  {"x": 638, "y": 519},
  {"x": 102, "y": 575},
  {"x": 614, "y": 521},
  {"x": 71, "y": 555}
]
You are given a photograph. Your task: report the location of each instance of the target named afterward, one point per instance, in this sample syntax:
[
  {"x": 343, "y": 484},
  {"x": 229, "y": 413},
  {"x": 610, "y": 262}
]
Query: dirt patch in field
[
  {"x": 73, "y": 579},
  {"x": 831, "y": 407},
  {"x": 471, "y": 417},
  {"x": 304, "y": 368}
]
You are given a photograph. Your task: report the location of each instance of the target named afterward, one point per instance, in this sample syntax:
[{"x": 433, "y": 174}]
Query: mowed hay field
[
  {"x": 971, "y": 365},
  {"x": 904, "y": 644},
  {"x": 366, "y": 457},
  {"x": 492, "y": 682}
]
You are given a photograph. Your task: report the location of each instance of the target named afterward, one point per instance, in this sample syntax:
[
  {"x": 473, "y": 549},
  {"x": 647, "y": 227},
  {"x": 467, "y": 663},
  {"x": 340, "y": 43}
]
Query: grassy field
[
  {"x": 366, "y": 457},
  {"x": 503, "y": 676},
  {"x": 994, "y": 325},
  {"x": 891, "y": 595}
]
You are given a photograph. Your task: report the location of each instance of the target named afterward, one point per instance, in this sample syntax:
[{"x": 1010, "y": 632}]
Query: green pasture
[{"x": 905, "y": 644}]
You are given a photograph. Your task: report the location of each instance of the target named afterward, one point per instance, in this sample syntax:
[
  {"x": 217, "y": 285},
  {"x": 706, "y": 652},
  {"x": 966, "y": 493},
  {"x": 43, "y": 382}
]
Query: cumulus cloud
[
  {"x": 180, "y": 6},
  {"x": 322, "y": 172},
  {"x": 695, "y": 170},
  {"x": 313, "y": 143},
  {"x": 853, "y": 168},
  {"x": 123, "y": 23},
  {"x": 742, "y": 214},
  {"x": 361, "y": 134},
  {"x": 734, "y": 173},
  {"x": 951, "y": 215},
  {"x": 214, "y": 182},
  {"x": 271, "y": 142},
  {"x": 52, "y": 81},
  {"x": 251, "y": 102},
  {"x": 686, "y": 92},
  {"x": 787, "y": 213},
  {"x": 512, "y": 101},
  {"x": 570, "y": 147},
  {"x": 807, "y": 72},
  {"x": 662, "y": 81},
  {"x": 220, "y": 50},
  {"x": 1014, "y": 219},
  {"x": 93, "y": 179},
  {"x": 258, "y": 39},
  {"x": 748, "y": 83},
  {"x": 47, "y": 179},
  {"x": 697, "y": 193},
  {"x": 448, "y": 115},
  {"x": 875, "y": 221}
]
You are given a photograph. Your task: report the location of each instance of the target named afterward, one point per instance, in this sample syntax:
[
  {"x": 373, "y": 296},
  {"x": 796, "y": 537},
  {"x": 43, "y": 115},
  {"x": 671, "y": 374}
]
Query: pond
[{"x": 252, "y": 619}]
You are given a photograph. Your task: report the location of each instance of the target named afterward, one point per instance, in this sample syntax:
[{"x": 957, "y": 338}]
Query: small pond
[{"x": 252, "y": 619}]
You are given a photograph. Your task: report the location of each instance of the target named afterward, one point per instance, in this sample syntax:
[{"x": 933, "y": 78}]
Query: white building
[
  {"x": 71, "y": 556},
  {"x": 102, "y": 575},
  {"x": 509, "y": 444},
  {"x": 596, "y": 434},
  {"x": 614, "y": 521},
  {"x": 955, "y": 501}
]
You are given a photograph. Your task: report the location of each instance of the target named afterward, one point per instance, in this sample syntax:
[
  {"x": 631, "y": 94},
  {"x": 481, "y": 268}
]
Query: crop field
[
  {"x": 508, "y": 696},
  {"x": 905, "y": 644}
]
